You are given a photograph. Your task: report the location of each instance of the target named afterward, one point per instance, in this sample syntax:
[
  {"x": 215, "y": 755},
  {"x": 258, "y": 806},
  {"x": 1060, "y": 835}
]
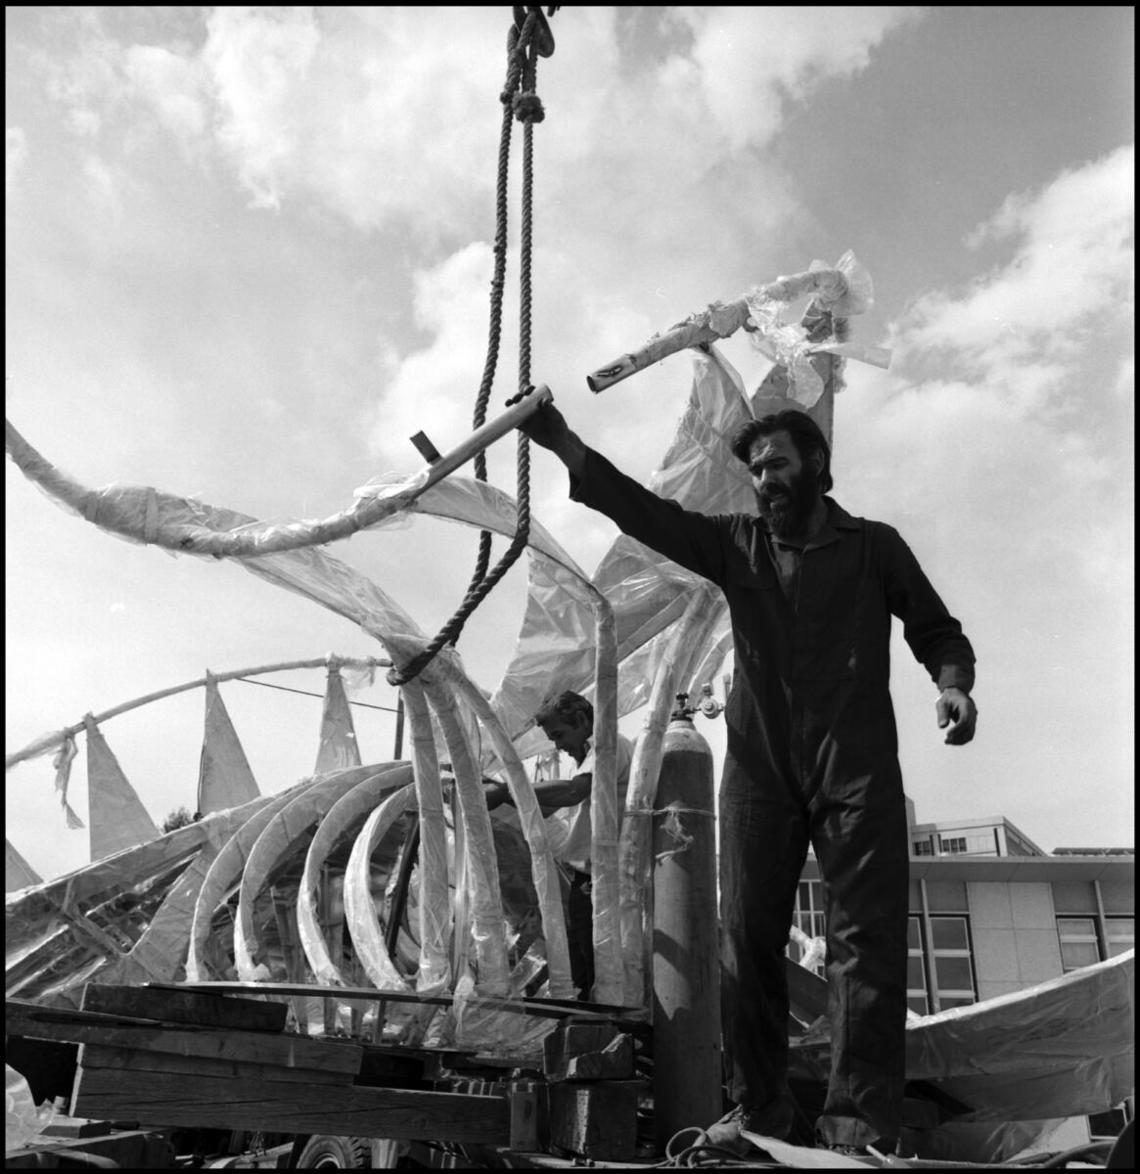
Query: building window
[
  {"x": 923, "y": 848},
  {"x": 952, "y": 843},
  {"x": 807, "y": 916},
  {"x": 1079, "y": 945},
  {"x": 916, "y": 995},
  {"x": 1119, "y": 935},
  {"x": 809, "y": 908},
  {"x": 953, "y": 961}
]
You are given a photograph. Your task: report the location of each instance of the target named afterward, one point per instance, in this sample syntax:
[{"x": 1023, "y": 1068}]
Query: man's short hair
[
  {"x": 806, "y": 435},
  {"x": 566, "y": 706}
]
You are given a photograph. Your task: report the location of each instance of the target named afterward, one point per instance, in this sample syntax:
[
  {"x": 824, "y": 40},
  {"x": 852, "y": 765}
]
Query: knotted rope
[{"x": 519, "y": 101}]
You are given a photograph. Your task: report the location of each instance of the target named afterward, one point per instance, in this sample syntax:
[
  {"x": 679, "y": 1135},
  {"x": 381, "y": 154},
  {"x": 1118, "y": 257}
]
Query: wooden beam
[
  {"x": 623, "y": 1017},
  {"x": 276, "y": 1106},
  {"x": 203, "y": 1009},
  {"x": 136, "y": 1060},
  {"x": 87, "y": 1027}
]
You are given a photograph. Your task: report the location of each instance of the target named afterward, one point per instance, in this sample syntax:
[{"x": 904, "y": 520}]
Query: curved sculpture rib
[
  {"x": 435, "y": 902},
  {"x": 147, "y": 515},
  {"x": 347, "y": 811},
  {"x": 224, "y": 875},
  {"x": 359, "y": 911},
  {"x": 274, "y": 843},
  {"x": 487, "y": 923},
  {"x": 530, "y": 817},
  {"x": 53, "y": 740}
]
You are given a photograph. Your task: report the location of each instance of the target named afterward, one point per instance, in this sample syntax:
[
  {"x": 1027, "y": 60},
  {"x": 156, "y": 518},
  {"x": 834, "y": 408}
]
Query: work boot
[{"x": 775, "y": 1120}]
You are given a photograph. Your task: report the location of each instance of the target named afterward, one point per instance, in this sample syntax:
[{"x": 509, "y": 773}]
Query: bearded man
[{"x": 812, "y": 756}]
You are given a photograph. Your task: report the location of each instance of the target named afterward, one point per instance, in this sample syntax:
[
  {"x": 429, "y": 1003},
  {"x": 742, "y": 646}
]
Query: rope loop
[{"x": 522, "y": 52}]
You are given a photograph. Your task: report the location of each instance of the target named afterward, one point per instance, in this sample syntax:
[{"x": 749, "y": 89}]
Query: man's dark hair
[
  {"x": 805, "y": 433},
  {"x": 565, "y": 706}
]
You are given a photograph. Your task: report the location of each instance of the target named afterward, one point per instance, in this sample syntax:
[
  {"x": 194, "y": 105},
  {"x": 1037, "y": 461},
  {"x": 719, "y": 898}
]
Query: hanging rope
[{"x": 519, "y": 101}]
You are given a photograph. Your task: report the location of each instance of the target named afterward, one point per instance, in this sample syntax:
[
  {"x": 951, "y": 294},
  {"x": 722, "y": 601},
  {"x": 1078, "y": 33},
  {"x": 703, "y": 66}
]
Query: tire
[{"x": 325, "y": 1152}]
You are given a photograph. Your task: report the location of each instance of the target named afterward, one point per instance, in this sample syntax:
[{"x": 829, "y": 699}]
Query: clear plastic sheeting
[
  {"x": 838, "y": 292},
  {"x": 554, "y": 650},
  {"x": 1059, "y": 1049},
  {"x": 343, "y": 818}
]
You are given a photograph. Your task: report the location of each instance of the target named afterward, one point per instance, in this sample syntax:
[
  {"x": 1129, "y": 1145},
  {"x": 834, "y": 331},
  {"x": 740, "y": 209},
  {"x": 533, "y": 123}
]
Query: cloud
[
  {"x": 1005, "y": 399},
  {"x": 1070, "y": 276},
  {"x": 15, "y": 156},
  {"x": 748, "y": 63},
  {"x": 173, "y": 85}
]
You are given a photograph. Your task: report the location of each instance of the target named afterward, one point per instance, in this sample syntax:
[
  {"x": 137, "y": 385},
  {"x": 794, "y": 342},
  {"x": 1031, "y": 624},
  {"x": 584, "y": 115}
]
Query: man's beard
[{"x": 788, "y": 511}]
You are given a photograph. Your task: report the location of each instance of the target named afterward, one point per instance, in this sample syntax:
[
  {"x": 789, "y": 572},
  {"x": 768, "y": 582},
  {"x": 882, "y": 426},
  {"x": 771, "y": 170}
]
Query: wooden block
[
  {"x": 286, "y": 1051},
  {"x": 596, "y": 1120},
  {"x": 184, "y": 1006},
  {"x": 613, "y": 1062},
  {"x": 587, "y": 1051},
  {"x": 118, "y": 1059},
  {"x": 523, "y": 1099},
  {"x": 276, "y": 1106},
  {"x": 61, "y": 1126}
]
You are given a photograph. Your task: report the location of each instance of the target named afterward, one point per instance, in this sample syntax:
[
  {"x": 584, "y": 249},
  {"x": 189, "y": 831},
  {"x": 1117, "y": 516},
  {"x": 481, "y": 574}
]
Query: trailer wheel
[{"x": 326, "y": 1152}]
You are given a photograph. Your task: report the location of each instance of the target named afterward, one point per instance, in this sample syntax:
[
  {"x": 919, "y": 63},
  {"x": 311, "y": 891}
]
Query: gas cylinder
[{"x": 687, "y": 1069}]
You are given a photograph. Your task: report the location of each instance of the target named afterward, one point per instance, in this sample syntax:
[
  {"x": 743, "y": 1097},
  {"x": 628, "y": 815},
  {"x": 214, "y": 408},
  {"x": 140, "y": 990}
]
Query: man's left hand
[{"x": 957, "y": 715}]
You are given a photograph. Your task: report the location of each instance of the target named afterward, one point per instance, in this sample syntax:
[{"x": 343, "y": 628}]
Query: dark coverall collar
[{"x": 837, "y": 519}]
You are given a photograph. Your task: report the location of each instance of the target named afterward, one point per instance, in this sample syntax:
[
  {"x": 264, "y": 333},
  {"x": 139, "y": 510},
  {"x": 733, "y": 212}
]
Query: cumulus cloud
[
  {"x": 1071, "y": 272},
  {"x": 747, "y": 63},
  {"x": 1004, "y": 395},
  {"x": 173, "y": 85}
]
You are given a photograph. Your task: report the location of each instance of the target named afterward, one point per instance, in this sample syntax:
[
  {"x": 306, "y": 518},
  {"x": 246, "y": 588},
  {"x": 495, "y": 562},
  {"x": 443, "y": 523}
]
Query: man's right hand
[{"x": 546, "y": 427}]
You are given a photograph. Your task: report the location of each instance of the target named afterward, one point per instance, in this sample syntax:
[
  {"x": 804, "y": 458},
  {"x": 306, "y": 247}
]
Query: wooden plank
[
  {"x": 288, "y": 1051},
  {"x": 206, "y": 1009},
  {"x": 543, "y": 1008},
  {"x": 275, "y": 1106},
  {"x": 118, "y": 1059}
]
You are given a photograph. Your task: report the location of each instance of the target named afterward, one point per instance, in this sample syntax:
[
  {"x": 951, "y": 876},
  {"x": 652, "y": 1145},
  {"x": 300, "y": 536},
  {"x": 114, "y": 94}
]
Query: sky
[{"x": 249, "y": 254}]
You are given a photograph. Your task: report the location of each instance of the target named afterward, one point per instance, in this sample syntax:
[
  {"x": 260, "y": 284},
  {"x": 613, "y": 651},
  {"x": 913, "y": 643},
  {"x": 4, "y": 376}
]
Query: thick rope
[{"x": 522, "y": 65}]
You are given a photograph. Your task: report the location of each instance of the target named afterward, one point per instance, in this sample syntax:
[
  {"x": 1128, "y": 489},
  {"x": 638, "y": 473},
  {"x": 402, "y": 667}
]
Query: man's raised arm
[{"x": 691, "y": 539}]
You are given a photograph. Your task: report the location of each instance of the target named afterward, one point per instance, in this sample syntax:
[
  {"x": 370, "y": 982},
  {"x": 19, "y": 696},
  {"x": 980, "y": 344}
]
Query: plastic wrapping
[
  {"x": 534, "y": 829},
  {"x": 118, "y": 818},
  {"x": 360, "y": 911},
  {"x": 23, "y": 1122},
  {"x": 224, "y": 875},
  {"x": 224, "y": 775},
  {"x": 647, "y": 592},
  {"x": 53, "y": 931},
  {"x": 1062, "y": 1048},
  {"x": 338, "y": 747},
  {"x": 1059, "y": 1049},
  {"x": 837, "y": 293},
  {"x": 434, "y": 912},
  {"x": 487, "y": 927},
  {"x": 349, "y": 811},
  {"x": 281, "y": 838}
]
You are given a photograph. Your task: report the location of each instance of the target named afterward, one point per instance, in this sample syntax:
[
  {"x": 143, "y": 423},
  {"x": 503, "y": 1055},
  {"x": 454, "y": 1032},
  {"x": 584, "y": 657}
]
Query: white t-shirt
[{"x": 568, "y": 830}]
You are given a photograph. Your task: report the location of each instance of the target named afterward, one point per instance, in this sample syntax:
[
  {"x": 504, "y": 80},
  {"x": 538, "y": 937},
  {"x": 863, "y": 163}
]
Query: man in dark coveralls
[{"x": 812, "y": 756}]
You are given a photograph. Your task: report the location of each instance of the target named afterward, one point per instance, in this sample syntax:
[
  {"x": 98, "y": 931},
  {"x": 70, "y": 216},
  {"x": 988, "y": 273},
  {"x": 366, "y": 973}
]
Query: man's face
[
  {"x": 786, "y": 487},
  {"x": 568, "y": 734}
]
